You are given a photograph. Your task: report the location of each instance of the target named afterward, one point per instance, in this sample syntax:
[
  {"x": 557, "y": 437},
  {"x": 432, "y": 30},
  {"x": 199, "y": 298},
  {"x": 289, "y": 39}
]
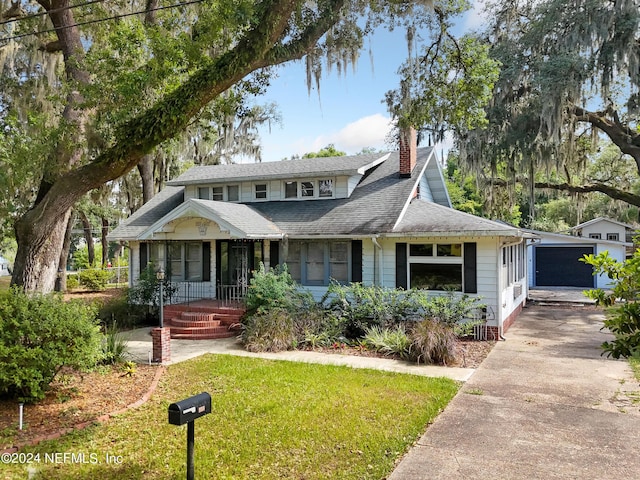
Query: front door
[{"x": 235, "y": 261}]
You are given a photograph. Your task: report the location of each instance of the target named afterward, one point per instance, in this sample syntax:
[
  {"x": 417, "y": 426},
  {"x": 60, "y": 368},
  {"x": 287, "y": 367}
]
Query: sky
[{"x": 349, "y": 111}]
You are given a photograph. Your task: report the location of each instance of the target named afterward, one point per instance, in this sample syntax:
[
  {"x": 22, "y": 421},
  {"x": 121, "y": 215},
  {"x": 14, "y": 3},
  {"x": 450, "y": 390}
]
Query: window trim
[
  {"x": 435, "y": 259},
  {"x": 326, "y": 260},
  {"x": 613, "y": 237},
  {"x": 266, "y": 191}
]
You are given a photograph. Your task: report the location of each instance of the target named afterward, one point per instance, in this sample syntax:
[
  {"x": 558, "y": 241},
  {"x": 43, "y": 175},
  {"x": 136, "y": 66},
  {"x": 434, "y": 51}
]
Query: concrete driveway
[{"x": 543, "y": 405}]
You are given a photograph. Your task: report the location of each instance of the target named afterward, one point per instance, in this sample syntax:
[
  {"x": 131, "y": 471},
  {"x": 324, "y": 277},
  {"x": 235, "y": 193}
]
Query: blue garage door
[{"x": 560, "y": 267}]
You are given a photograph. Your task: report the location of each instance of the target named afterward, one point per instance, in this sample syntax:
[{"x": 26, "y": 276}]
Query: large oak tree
[
  {"x": 569, "y": 71},
  {"x": 111, "y": 87}
]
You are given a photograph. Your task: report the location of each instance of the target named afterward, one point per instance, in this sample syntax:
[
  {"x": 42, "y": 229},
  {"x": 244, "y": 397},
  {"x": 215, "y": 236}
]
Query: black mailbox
[{"x": 189, "y": 409}]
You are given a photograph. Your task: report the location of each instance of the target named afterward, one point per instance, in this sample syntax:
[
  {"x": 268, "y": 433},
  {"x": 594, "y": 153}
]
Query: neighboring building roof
[
  {"x": 602, "y": 219},
  {"x": 565, "y": 238},
  {"x": 429, "y": 218},
  {"x": 300, "y": 168}
]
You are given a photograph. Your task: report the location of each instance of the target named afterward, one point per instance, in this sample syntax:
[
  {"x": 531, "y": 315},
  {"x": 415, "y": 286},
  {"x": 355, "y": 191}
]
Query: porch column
[{"x": 266, "y": 254}]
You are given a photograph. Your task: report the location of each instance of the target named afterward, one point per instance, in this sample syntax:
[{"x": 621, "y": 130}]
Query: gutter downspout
[{"x": 378, "y": 269}]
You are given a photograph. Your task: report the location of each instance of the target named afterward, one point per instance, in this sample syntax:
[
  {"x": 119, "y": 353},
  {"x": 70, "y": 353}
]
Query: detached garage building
[{"x": 554, "y": 260}]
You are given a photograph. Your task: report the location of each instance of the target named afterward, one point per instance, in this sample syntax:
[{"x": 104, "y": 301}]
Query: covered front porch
[{"x": 207, "y": 250}]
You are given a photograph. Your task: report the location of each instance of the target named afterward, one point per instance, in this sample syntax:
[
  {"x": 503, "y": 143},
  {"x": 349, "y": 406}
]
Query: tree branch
[
  {"x": 608, "y": 190},
  {"x": 624, "y": 137}
]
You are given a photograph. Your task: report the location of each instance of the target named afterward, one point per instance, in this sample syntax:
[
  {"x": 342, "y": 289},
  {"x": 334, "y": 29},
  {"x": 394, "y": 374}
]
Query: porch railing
[
  {"x": 187, "y": 292},
  {"x": 228, "y": 294}
]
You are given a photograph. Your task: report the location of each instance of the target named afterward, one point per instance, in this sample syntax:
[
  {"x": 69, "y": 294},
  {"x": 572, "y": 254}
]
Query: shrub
[
  {"x": 389, "y": 341},
  {"x": 623, "y": 319},
  {"x": 114, "y": 346},
  {"x": 361, "y": 307},
  {"x": 119, "y": 311},
  {"x": 94, "y": 278},
  {"x": 433, "y": 341},
  {"x": 269, "y": 331},
  {"x": 275, "y": 288},
  {"x": 40, "y": 334},
  {"x": 450, "y": 309},
  {"x": 72, "y": 282},
  {"x": 146, "y": 291}
]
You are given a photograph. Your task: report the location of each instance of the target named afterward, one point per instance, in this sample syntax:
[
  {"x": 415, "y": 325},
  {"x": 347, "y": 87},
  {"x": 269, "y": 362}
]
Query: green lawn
[{"x": 270, "y": 420}]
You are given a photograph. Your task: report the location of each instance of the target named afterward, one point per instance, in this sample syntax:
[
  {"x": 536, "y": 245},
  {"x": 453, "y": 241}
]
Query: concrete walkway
[
  {"x": 139, "y": 350},
  {"x": 543, "y": 405}
]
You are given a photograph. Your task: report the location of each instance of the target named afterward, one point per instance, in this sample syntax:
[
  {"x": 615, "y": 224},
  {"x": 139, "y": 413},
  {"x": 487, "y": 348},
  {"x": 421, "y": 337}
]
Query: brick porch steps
[{"x": 204, "y": 319}]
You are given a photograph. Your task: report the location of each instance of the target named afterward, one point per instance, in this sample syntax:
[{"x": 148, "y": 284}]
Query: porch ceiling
[{"x": 240, "y": 221}]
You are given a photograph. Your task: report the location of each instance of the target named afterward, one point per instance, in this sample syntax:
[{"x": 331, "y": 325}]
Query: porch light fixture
[{"x": 160, "y": 277}]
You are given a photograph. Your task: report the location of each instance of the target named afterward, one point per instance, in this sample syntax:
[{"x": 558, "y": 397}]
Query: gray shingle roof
[
  {"x": 374, "y": 206},
  {"x": 430, "y": 218},
  {"x": 241, "y": 216},
  {"x": 303, "y": 167},
  {"x": 152, "y": 211}
]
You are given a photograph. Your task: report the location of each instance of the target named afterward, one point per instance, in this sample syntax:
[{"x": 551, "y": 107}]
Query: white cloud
[
  {"x": 369, "y": 131},
  {"x": 476, "y": 18}
]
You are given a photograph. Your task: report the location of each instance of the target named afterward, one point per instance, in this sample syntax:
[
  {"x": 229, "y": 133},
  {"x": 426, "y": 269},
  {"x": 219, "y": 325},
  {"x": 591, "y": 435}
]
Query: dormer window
[
  {"x": 322, "y": 188},
  {"x": 307, "y": 189},
  {"x": 290, "y": 189},
  {"x": 233, "y": 193},
  {"x": 203, "y": 193},
  {"x": 260, "y": 190},
  {"x": 218, "y": 194},
  {"x": 325, "y": 188}
]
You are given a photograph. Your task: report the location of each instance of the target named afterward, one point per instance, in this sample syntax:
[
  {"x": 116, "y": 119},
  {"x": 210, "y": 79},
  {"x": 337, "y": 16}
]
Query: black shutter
[
  {"x": 206, "y": 261},
  {"x": 356, "y": 261},
  {"x": 401, "y": 265},
  {"x": 470, "y": 270},
  {"x": 274, "y": 254},
  {"x": 219, "y": 262},
  {"x": 144, "y": 256}
]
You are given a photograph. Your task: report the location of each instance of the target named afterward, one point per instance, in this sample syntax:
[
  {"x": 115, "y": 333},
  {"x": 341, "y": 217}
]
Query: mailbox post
[{"x": 186, "y": 411}]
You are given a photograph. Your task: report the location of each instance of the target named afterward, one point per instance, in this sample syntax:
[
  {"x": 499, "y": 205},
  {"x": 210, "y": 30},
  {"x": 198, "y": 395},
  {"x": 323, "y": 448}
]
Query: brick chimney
[{"x": 408, "y": 151}]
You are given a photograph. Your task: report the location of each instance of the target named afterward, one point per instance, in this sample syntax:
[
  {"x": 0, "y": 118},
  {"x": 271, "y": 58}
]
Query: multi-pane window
[
  {"x": 317, "y": 263},
  {"x": 325, "y": 188},
  {"x": 185, "y": 261},
  {"x": 435, "y": 266},
  {"x": 339, "y": 261},
  {"x": 307, "y": 189},
  {"x": 218, "y": 194},
  {"x": 314, "y": 263},
  {"x": 613, "y": 236},
  {"x": 260, "y": 190}
]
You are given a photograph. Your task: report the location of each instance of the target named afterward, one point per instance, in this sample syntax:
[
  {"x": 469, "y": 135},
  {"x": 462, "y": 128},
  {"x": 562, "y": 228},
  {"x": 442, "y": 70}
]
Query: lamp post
[{"x": 160, "y": 277}]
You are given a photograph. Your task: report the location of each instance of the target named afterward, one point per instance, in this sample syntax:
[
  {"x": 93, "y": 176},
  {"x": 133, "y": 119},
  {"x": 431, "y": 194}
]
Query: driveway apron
[{"x": 543, "y": 405}]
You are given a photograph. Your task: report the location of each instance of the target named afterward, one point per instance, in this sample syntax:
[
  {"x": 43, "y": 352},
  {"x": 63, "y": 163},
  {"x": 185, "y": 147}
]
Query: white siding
[
  {"x": 134, "y": 262},
  {"x": 352, "y": 183},
  {"x": 605, "y": 227},
  {"x": 368, "y": 261},
  {"x": 342, "y": 188},
  {"x": 425, "y": 190}
]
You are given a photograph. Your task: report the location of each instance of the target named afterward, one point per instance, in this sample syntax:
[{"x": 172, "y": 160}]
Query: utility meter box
[{"x": 189, "y": 409}]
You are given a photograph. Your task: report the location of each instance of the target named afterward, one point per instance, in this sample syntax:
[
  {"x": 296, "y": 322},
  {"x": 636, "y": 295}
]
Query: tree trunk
[
  {"x": 40, "y": 232},
  {"x": 88, "y": 237},
  {"x": 105, "y": 243},
  {"x": 145, "y": 168},
  {"x": 61, "y": 284}
]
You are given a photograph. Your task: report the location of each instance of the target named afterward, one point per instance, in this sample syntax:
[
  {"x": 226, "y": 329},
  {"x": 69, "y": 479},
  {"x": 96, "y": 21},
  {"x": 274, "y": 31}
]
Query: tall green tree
[
  {"x": 569, "y": 72},
  {"x": 118, "y": 89}
]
